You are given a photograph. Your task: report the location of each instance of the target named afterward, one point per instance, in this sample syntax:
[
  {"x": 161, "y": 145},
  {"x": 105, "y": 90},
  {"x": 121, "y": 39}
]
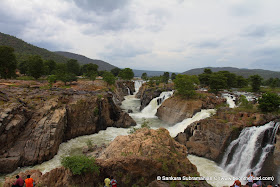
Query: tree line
[{"x": 36, "y": 67}]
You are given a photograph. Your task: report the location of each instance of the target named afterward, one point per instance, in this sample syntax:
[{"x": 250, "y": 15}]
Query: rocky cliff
[
  {"x": 123, "y": 88},
  {"x": 176, "y": 108},
  {"x": 149, "y": 153},
  {"x": 210, "y": 137},
  {"x": 147, "y": 93},
  {"x": 34, "y": 122}
]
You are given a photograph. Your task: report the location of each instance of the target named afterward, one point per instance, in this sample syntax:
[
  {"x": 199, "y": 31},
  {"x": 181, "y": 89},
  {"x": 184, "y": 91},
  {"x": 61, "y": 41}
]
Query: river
[{"x": 207, "y": 168}]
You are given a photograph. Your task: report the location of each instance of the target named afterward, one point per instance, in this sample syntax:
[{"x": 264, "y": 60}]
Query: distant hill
[
  {"x": 243, "y": 72},
  {"x": 85, "y": 60},
  {"x": 138, "y": 73},
  {"x": 24, "y": 49}
]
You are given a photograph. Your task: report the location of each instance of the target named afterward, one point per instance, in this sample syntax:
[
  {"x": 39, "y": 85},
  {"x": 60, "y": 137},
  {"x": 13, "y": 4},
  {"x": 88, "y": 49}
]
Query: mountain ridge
[
  {"x": 24, "y": 49},
  {"x": 102, "y": 65},
  {"x": 238, "y": 71}
]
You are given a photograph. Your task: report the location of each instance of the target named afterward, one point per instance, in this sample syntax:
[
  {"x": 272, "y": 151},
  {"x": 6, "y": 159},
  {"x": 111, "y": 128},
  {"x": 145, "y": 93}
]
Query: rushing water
[
  {"x": 230, "y": 99},
  {"x": 206, "y": 167},
  {"x": 250, "y": 150},
  {"x": 209, "y": 169},
  {"x": 181, "y": 126}
]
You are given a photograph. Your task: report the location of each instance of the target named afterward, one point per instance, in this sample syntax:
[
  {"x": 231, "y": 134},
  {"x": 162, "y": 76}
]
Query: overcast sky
[{"x": 167, "y": 35}]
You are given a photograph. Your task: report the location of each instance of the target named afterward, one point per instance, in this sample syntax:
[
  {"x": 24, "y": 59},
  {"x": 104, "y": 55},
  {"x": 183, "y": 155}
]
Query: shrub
[
  {"x": 269, "y": 102},
  {"x": 80, "y": 164}
]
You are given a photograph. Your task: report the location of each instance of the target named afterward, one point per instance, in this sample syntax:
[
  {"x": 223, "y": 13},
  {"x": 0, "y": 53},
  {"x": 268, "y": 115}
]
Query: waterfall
[
  {"x": 230, "y": 99},
  {"x": 137, "y": 85},
  {"x": 128, "y": 91},
  {"x": 151, "y": 109},
  {"x": 181, "y": 126},
  {"x": 249, "y": 151}
]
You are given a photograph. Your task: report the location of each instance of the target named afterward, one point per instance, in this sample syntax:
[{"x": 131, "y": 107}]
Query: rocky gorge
[
  {"x": 129, "y": 157},
  {"x": 34, "y": 121}
]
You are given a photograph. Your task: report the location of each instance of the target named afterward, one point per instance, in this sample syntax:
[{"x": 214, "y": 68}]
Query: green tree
[
  {"x": 241, "y": 82},
  {"x": 256, "y": 81},
  {"x": 244, "y": 103},
  {"x": 23, "y": 67},
  {"x": 207, "y": 71},
  {"x": 63, "y": 75},
  {"x": 144, "y": 76},
  {"x": 272, "y": 82},
  {"x": 109, "y": 78},
  {"x": 51, "y": 79},
  {"x": 126, "y": 74},
  {"x": 165, "y": 77},
  {"x": 116, "y": 71},
  {"x": 73, "y": 66},
  {"x": 269, "y": 102},
  {"x": 50, "y": 66},
  {"x": 8, "y": 63},
  {"x": 217, "y": 82},
  {"x": 230, "y": 79},
  {"x": 35, "y": 66},
  {"x": 185, "y": 85},
  {"x": 89, "y": 70},
  {"x": 204, "y": 78},
  {"x": 173, "y": 76},
  {"x": 80, "y": 164}
]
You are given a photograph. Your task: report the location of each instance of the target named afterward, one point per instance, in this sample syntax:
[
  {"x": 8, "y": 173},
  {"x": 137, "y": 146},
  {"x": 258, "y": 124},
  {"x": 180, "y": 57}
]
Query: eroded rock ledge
[
  {"x": 146, "y": 93},
  {"x": 35, "y": 122},
  {"x": 175, "y": 109}
]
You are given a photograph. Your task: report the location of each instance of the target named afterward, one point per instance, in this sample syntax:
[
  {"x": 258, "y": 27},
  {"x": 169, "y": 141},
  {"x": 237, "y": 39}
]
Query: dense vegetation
[
  {"x": 8, "y": 62},
  {"x": 80, "y": 164},
  {"x": 34, "y": 66}
]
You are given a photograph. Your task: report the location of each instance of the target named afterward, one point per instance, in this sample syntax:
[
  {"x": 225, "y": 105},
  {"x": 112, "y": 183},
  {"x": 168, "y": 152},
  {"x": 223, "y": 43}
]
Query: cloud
[
  {"x": 104, "y": 6},
  {"x": 122, "y": 49},
  {"x": 208, "y": 44},
  {"x": 158, "y": 35}
]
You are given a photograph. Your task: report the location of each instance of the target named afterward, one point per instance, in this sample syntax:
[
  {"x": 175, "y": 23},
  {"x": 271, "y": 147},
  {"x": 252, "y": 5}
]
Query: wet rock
[{"x": 176, "y": 108}]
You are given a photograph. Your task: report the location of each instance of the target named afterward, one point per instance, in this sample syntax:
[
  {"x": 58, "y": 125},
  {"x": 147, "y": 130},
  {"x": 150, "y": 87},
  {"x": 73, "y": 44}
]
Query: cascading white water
[
  {"x": 230, "y": 99},
  {"x": 181, "y": 126},
  {"x": 128, "y": 90},
  {"x": 137, "y": 85},
  {"x": 208, "y": 168},
  {"x": 151, "y": 109},
  {"x": 249, "y": 96},
  {"x": 246, "y": 153}
]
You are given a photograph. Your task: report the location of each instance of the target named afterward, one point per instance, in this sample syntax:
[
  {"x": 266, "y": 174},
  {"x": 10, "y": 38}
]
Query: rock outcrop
[
  {"x": 175, "y": 109},
  {"x": 210, "y": 137},
  {"x": 32, "y": 130},
  {"x": 123, "y": 88},
  {"x": 146, "y": 93},
  {"x": 136, "y": 159}
]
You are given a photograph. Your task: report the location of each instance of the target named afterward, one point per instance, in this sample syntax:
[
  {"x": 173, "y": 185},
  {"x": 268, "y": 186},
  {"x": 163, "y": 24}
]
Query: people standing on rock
[
  {"x": 236, "y": 183},
  {"x": 29, "y": 182},
  {"x": 107, "y": 182},
  {"x": 250, "y": 179},
  {"x": 19, "y": 182},
  {"x": 113, "y": 182}
]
